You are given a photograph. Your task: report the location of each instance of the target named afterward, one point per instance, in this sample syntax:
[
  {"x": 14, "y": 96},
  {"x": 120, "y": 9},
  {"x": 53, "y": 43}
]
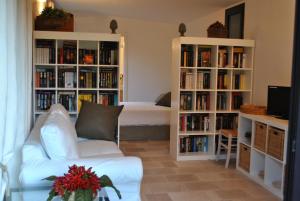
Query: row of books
[
  {"x": 239, "y": 57},
  {"x": 186, "y": 80},
  {"x": 187, "y": 56},
  {"x": 45, "y": 52},
  {"x": 203, "y": 101},
  {"x": 226, "y": 121},
  {"x": 237, "y": 100},
  {"x": 68, "y": 100},
  {"x": 203, "y": 80},
  {"x": 44, "y": 78},
  {"x": 67, "y": 78},
  {"x": 44, "y": 100},
  {"x": 90, "y": 97},
  {"x": 108, "y": 99},
  {"x": 186, "y": 101},
  {"x": 109, "y": 53},
  {"x": 45, "y": 55},
  {"x": 108, "y": 79},
  {"x": 239, "y": 81},
  {"x": 87, "y": 79},
  {"x": 194, "y": 122},
  {"x": 221, "y": 101},
  {"x": 204, "y": 56},
  {"x": 193, "y": 144},
  {"x": 68, "y": 53},
  {"x": 223, "y": 80},
  {"x": 223, "y": 58},
  {"x": 87, "y": 56}
]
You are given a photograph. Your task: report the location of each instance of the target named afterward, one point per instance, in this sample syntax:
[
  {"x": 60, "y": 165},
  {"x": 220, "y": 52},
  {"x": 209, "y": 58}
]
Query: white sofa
[{"x": 103, "y": 156}]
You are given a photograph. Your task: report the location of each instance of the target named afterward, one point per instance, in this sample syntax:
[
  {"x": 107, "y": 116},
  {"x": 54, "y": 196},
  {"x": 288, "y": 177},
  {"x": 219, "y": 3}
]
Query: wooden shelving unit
[
  {"x": 262, "y": 166},
  {"x": 68, "y": 65},
  {"x": 204, "y": 90}
]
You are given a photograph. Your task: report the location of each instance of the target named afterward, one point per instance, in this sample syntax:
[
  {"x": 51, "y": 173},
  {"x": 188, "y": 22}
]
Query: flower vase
[{"x": 72, "y": 197}]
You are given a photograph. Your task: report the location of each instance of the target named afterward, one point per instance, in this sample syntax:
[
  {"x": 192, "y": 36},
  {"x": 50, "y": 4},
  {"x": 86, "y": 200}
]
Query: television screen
[{"x": 278, "y": 101}]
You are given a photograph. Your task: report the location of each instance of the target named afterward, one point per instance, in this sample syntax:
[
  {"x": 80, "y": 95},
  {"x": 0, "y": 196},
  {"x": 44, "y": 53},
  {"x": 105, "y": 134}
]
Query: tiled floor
[{"x": 169, "y": 180}]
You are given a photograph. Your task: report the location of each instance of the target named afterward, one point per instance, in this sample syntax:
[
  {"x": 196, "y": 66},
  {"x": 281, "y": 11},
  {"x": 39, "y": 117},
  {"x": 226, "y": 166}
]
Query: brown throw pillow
[
  {"x": 96, "y": 121},
  {"x": 165, "y": 100}
]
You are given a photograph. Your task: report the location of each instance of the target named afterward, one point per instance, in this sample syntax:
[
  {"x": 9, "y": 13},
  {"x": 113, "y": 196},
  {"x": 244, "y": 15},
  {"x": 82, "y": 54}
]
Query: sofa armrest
[{"x": 121, "y": 170}]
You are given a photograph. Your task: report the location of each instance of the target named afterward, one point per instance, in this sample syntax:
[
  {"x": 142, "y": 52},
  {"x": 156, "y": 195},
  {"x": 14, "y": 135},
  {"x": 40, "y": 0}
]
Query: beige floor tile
[
  {"x": 181, "y": 178},
  {"x": 189, "y": 196},
  {"x": 158, "y": 197},
  {"x": 168, "y": 180}
]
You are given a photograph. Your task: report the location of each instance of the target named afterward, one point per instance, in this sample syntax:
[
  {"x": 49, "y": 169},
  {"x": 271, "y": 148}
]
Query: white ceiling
[{"x": 171, "y": 11}]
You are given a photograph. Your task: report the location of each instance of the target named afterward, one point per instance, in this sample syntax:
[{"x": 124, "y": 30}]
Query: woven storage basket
[
  {"x": 217, "y": 30},
  {"x": 254, "y": 109}
]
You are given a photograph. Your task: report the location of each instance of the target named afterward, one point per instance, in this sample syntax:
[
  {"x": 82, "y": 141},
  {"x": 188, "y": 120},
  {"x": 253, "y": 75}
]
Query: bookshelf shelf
[
  {"x": 45, "y": 64},
  {"x": 212, "y": 78},
  {"x": 69, "y": 67},
  {"x": 192, "y": 133},
  {"x": 108, "y": 89}
]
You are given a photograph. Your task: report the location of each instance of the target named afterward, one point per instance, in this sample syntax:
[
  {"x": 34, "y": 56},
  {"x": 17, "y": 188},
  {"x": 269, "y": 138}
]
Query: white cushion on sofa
[
  {"x": 59, "y": 109},
  {"x": 58, "y": 137},
  {"x": 93, "y": 148}
]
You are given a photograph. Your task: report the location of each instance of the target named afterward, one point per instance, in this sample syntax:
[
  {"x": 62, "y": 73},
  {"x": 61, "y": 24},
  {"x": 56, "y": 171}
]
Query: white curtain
[{"x": 15, "y": 84}]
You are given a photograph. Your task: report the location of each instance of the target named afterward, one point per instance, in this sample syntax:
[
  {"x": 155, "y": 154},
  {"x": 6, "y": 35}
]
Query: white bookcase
[
  {"x": 264, "y": 167},
  {"x": 68, "y": 65},
  {"x": 199, "y": 101}
]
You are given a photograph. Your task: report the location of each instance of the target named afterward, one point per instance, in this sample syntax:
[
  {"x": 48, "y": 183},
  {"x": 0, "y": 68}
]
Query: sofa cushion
[
  {"x": 58, "y": 137},
  {"x": 164, "y": 100},
  {"x": 59, "y": 109},
  {"x": 91, "y": 148},
  {"x": 33, "y": 149},
  {"x": 96, "y": 121}
]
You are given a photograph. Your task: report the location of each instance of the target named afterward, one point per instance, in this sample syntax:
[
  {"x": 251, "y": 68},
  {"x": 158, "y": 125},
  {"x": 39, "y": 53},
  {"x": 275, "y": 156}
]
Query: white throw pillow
[
  {"x": 60, "y": 109},
  {"x": 58, "y": 137}
]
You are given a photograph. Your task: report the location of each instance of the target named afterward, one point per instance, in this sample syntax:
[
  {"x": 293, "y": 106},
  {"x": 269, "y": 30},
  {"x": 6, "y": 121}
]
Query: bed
[{"x": 144, "y": 121}]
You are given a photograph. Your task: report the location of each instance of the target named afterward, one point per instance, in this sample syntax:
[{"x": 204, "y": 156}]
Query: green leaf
[
  {"x": 66, "y": 196},
  {"x": 84, "y": 195},
  {"x": 51, "y": 178},
  {"x": 52, "y": 194},
  {"x": 106, "y": 182},
  {"x": 79, "y": 195}
]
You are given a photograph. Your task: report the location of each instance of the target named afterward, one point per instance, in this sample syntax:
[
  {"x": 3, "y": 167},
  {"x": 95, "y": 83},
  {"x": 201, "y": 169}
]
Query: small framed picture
[{"x": 234, "y": 21}]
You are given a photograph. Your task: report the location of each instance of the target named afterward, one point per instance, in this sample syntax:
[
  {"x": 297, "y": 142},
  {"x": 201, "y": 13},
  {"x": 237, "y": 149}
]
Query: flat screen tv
[{"x": 278, "y": 101}]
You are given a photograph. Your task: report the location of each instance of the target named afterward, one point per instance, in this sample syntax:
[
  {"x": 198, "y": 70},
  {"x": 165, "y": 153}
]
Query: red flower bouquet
[{"x": 78, "y": 182}]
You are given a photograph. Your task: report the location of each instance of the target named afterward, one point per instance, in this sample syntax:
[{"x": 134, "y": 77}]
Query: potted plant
[
  {"x": 53, "y": 19},
  {"x": 79, "y": 184}
]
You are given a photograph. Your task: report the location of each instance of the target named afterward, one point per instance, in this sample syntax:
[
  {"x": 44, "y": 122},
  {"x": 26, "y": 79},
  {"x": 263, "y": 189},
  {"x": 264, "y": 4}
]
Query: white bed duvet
[{"x": 144, "y": 113}]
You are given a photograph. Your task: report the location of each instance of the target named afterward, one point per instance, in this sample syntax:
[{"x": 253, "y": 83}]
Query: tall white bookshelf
[
  {"x": 211, "y": 78},
  {"x": 71, "y": 66}
]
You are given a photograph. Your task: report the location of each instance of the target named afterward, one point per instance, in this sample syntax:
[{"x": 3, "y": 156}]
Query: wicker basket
[
  {"x": 217, "y": 30},
  {"x": 54, "y": 24},
  {"x": 254, "y": 109}
]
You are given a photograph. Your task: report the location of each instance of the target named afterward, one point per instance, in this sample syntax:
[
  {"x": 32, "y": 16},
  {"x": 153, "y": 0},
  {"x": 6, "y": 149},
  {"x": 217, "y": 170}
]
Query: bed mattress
[{"x": 144, "y": 113}]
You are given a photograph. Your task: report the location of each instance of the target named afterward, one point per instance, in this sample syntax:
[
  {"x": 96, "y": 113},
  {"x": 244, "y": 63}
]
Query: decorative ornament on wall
[
  {"x": 113, "y": 26},
  {"x": 182, "y": 29}
]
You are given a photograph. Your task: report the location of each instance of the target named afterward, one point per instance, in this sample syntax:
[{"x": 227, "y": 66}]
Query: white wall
[
  {"x": 271, "y": 24},
  {"x": 148, "y": 52},
  {"x": 199, "y": 26}
]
